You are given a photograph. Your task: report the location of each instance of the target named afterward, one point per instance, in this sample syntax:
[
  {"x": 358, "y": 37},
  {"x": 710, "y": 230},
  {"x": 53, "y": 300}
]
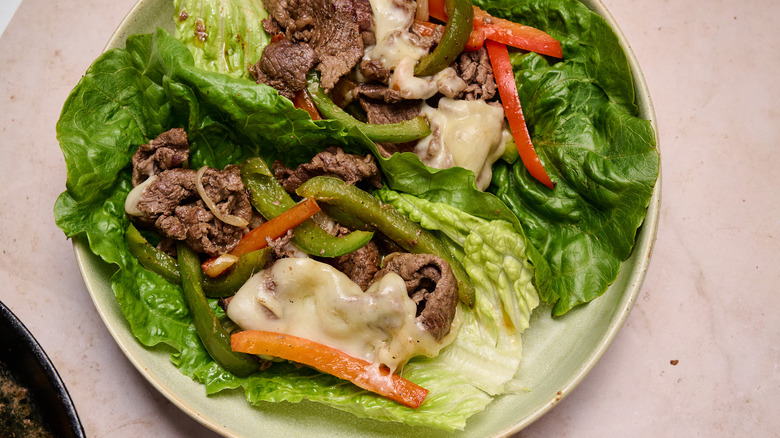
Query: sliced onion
[
  {"x": 226, "y": 218},
  {"x": 422, "y": 10},
  {"x": 131, "y": 202}
]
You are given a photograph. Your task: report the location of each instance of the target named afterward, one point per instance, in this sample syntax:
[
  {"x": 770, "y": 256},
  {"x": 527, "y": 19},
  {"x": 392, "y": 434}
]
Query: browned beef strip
[
  {"x": 204, "y": 232},
  {"x": 431, "y": 284},
  {"x": 169, "y": 150},
  {"x": 284, "y": 66},
  {"x": 346, "y": 91},
  {"x": 381, "y": 112},
  {"x": 331, "y": 162},
  {"x": 172, "y": 204},
  {"x": 385, "y": 94},
  {"x": 331, "y": 27},
  {"x": 280, "y": 247},
  {"x": 365, "y": 20},
  {"x": 171, "y": 188},
  {"x": 374, "y": 70},
  {"x": 227, "y": 191},
  {"x": 291, "y": 17},
  {"x": 271, "y": 26},
  {"x": 360, "y": 265},
  {"x": 337, "y": 40},
  {"x": 475, "y": 69}
]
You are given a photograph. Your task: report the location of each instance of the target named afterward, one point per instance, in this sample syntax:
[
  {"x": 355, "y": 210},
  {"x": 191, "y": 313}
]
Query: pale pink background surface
[{"x": 710, "y": 299}]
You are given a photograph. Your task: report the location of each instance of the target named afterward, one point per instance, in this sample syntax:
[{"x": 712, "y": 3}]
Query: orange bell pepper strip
[
  {"x": 504, "y": 31},
  {"x": 273, "y": 229},
  {"x": 507, "y": 89},
  {"x": 331, "y": 361}
]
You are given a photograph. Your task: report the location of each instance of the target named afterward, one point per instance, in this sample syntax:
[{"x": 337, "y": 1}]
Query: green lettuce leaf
[
  {"x": 227, "y": 120},
  {"x": 224, "y": 36},
  {"x": 584, "y": 123}
]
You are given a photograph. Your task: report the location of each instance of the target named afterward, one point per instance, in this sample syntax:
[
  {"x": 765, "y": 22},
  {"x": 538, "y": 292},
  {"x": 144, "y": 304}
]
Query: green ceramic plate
[{"x": 558, "y": 353}]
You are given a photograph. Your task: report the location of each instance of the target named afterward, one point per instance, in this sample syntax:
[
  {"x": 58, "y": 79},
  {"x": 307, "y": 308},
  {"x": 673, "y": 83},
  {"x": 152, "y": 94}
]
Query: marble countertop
[{"x": 699, "y": 354}]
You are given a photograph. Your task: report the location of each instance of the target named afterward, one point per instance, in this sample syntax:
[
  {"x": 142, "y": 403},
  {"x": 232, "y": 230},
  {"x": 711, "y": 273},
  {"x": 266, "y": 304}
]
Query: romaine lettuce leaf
[
  {"x": 224, "y": 36},
  {"x": 227, "y": 120},
  {"x": 495, "y": 255},
  {"x": 584, "y": 123}
]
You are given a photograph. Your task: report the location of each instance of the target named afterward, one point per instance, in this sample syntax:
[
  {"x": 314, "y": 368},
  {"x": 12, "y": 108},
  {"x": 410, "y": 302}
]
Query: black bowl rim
[{"x": 24, "y": 338}]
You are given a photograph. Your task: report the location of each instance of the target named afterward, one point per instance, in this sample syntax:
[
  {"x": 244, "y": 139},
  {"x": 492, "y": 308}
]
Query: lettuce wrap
[{"x": 521, "y": 243}]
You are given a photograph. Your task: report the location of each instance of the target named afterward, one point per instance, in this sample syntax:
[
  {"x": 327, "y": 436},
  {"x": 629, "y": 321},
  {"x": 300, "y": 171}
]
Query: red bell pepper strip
[
  {"x": 437, "y": 10},
  {"x": 512, "y": 34},
  {"x": 507, "y": 89},
  {"x": 303, "y": 101},
  {"x": 504, "y": 31},
  {"x": 426, "y": 28},
  {"x": 332, "y": 361},
  {"x": 273, "y": 229}
]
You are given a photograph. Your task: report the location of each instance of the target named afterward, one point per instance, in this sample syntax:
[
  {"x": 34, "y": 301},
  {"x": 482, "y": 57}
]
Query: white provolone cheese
[
  {"x": 392, "y": 20},
  {"x": 313, "y": 300},
  {"x": 409, "y": 86},
  {"x": 468, "y": 134}
]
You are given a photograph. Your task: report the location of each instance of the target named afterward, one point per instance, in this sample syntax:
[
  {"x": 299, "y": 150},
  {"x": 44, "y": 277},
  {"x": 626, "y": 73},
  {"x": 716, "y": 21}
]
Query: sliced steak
[
  {"x": 374, "y": 70},
  {"x": 382, "y": 112},
  {"x": 168, "y": 190},
  {"x": 282, "y": 247},
  {"x": 331, "y": 162},
  {"x": 333, "y": 28},
  {"x": 382, "y": 93},
  {"x": 365, "y": 20},
  {"x": 336, "y": 39},
  {"x": 171, "y": 204},
  {"x": 431, "y": 285},
  {"x": 360, "y": 265},
  {"x": 203, "y": 232},
  {"x": 284, "y": 66},
  {"x": 475, "y": 69},
  {"x": 226, "y": 190},
  {"x": 169, "y": 150}
]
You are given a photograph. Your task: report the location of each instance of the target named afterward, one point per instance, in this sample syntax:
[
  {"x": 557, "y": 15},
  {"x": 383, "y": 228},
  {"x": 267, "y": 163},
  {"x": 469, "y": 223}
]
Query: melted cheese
[
  {"x": 409, "y": 86},
  {"x": 468, "y": 134},
  {"x": 313, "y": 300},
  {"x": 392, "y": 20}
]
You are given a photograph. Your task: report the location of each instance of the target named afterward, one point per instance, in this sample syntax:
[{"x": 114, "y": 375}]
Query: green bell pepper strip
[
  {"x": 227, "y": 285},
  {"x": 214, "y": 337},
  {"x": 344, "y": 218},
  {"x": 460, "y": 23},
  {"x": 167, "y": 267},
  {"x": 401, "y": 132},
  {"x": 390, "y": 222},
  {"x": 270, "y": 199},
  {"x": 152, "y": 258}
]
